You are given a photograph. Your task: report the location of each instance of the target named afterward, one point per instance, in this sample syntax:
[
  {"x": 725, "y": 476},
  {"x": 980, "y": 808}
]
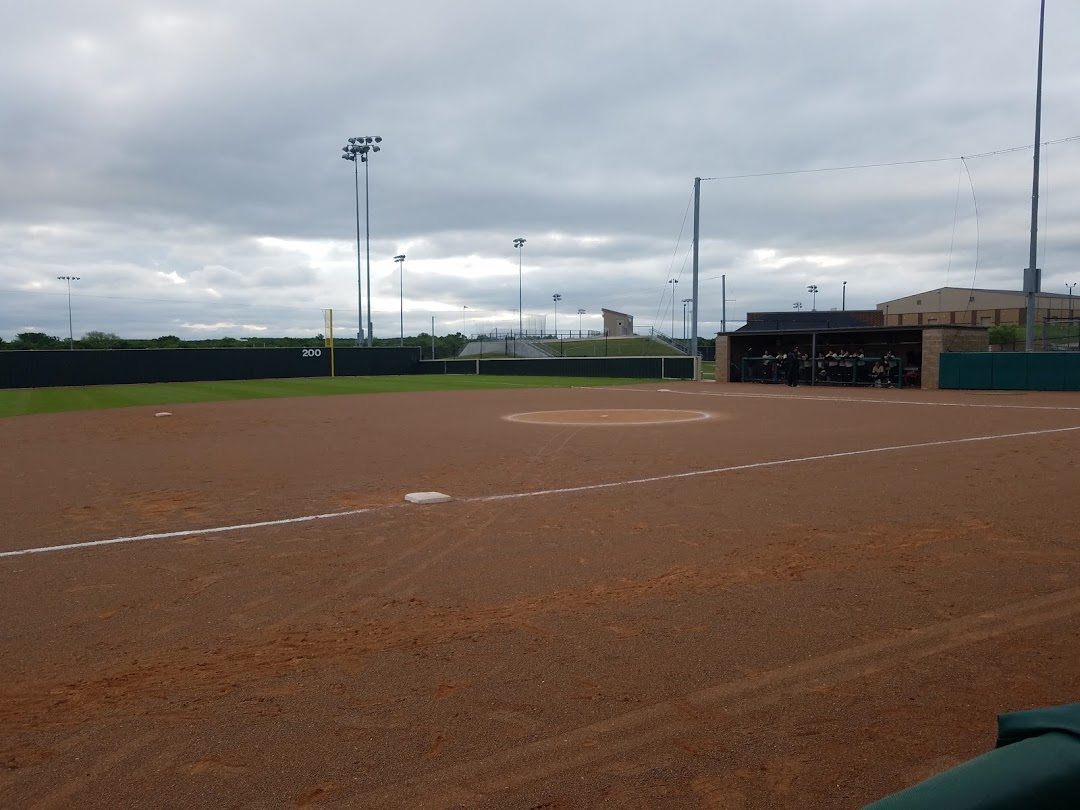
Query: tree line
[{"x": 445, "y": 346}]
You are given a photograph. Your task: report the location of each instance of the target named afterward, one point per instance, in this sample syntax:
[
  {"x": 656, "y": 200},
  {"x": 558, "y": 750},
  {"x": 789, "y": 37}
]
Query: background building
[
  {"x": 972, "y": 307},
  {"x": 617, "y": 324},
  {"x": 813, "y": 320}
]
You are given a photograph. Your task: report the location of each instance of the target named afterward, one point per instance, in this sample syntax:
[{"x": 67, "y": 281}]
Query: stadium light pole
[
  {"x": 365, "y": 146},
  {"x": 1070, "y": 286},
  {"x": 518, "y": 243},
  {"x": 350, "y": 154},
  {"x": 401, "y": 296},
  {"x": 797, "y": 305},
  {"x": 674, "y": 283},
  {"x": 685, "y": 301},
  {"x": 580, "y": 312},
  {"x": 812, "y": 289},
  {"x": 71, "y": 332},
  {"x": 843, "y": 299},
  {"x": 556, "y": 298},
  {"x": 1032, "y": 275}
]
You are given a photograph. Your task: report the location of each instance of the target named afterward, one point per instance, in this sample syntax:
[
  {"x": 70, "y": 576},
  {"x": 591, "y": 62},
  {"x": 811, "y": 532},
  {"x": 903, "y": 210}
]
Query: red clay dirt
[{"x": 789, "y": 633}]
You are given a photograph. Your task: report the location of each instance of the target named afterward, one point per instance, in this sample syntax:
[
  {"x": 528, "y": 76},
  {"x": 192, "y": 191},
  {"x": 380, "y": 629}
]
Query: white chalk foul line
[
  {"x": 188, "y": 533},
  {"x": 560, "y": 491},
  {"x": 734, "y": 395},
  {"x": 761, "y": 464}
]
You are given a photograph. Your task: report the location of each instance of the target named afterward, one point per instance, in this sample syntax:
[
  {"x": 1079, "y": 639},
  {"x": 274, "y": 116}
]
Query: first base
[{"x": 427, "y": 497}]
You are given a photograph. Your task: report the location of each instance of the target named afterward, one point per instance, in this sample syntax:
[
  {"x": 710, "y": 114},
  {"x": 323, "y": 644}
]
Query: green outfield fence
[
  {"x": 1011, "y": 371},
  {"x": 50, "y": 369}
]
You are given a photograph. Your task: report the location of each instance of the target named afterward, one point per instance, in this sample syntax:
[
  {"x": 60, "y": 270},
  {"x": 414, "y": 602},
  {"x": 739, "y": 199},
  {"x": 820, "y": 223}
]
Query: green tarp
[{"x": 1036, "y": 766}]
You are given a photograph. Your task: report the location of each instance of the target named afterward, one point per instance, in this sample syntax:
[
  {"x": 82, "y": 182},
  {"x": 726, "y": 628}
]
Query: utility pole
[
  {"x": 1031, "y": 274},
  {"x": 694, "y": 295}
]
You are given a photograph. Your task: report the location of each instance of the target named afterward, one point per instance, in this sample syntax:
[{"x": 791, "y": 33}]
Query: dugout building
[{"x": 746, "y": 355}]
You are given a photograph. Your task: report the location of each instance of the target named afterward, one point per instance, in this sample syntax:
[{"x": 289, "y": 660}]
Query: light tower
[{"x": 518, "y": 243}]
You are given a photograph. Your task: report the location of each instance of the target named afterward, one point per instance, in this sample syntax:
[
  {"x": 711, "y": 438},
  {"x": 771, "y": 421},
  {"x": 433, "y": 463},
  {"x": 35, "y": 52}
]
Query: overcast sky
[{"x": 184, "y": 161}]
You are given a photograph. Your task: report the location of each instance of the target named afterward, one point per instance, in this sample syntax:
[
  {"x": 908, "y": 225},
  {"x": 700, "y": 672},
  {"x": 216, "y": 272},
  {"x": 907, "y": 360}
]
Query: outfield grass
[
  {"x": 24, "y": 401},
  {"x": 611, "y": 347}
]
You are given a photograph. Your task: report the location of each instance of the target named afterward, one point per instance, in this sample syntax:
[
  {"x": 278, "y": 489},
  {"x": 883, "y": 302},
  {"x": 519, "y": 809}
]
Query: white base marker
[{"x": 427, "y": 497}]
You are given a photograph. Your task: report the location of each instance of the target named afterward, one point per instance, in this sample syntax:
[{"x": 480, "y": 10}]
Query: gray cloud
[{"x": 184, "y": 160}]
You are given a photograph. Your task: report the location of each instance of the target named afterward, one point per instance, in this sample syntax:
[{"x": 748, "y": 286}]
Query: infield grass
[{"x": 20, "y": 402}]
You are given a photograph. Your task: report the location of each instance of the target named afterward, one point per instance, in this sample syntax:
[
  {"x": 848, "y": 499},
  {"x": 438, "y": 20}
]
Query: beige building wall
[
  {"x": 974, "y": 317},
  {"x": 966, "y": 307}
]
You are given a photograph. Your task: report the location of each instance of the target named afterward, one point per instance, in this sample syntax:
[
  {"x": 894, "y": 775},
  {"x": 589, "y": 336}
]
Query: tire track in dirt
[
  {"x": 127, "y": 749},
  {"x": 290, "y": 644},
  {"x": 624, "y": 734},
  {"x": 465, "y": 527}
]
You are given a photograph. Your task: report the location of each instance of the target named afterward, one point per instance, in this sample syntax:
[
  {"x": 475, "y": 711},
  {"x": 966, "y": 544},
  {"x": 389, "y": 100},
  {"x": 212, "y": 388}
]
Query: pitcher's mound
[{"x": 613, "y": 416}]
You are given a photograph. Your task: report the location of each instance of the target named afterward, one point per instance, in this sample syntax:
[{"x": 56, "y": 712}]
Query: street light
[
  {"x": 580, "y": 312},
  {"x": 556, "y": 298},
  {"x": 843, "y": 299},
  {"x": 401, "y": 296},
  {"x": 674, "y": 282},
  {"x": 518, "y": 243},
  {"x": 363, "y": 146},
  {"x": 71, "y": 333},
  {"x": 812, "y": 289},
  {"x": 798, "y": 305}
]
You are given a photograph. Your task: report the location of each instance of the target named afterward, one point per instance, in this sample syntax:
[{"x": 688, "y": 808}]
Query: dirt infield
[{"x": 808, "y": 599}]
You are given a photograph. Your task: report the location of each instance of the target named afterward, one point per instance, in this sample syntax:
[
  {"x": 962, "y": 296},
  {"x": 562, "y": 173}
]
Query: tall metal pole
[
  {"x": 401, "y": 296},
  {"x": 673, "y": 282},
  {"x": 71, "y": 331},
  {"x": 359, "y": 269},
  {"x": 1031, "y": 275},
  {"x": 723, "y": 305},
  {"x": 432, "y": 337},
  {"x": 367, "y": 246},
  {"x": 1069, "y": 330},
  {"x": 697, "y": 242},
  {"x": 518, "y": 243},
  {"x": 843, "y": 299},
  {"x": 362, "y": 148}
]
